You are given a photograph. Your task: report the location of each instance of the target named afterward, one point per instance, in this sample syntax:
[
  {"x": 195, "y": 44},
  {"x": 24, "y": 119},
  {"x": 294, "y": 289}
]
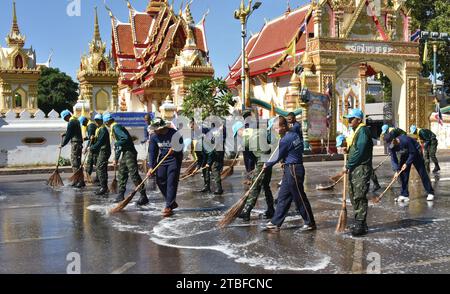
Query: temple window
[
  {"x": 17, "y": 103},
  {"x": 102, "y": 66},
  {"x": 102, "y": 101},
  {"x": 18, "y": 62}
]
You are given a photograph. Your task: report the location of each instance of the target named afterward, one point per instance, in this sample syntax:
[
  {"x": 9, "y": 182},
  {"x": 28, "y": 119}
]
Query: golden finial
[{"x": 96, "y": 26}]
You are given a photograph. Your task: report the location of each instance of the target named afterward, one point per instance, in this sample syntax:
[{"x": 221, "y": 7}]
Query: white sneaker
[
  {"x": 402, "y": 199},
  {"x": 430, "y": 197}
]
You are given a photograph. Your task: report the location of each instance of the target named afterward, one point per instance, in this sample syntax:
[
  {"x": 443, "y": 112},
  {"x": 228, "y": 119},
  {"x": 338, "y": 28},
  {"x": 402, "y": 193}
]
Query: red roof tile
[
  {"x": 142, "y": 23},
  {"x": 125, "y": 39}
]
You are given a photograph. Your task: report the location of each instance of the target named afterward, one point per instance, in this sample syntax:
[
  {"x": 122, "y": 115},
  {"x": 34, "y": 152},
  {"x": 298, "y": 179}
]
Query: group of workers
[{"x": 165, "y": 156}]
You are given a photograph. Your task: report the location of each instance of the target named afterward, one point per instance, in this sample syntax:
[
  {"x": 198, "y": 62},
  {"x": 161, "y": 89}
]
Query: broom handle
[
  {"x": 153, "y": 170},
  {"x": 381, "y": 163},
  {"x": 390, "y": 184},
  {"x": 59, "y": 156},
  {"x": 262, "y": 171},
  {"x": 344, "y": 192}
]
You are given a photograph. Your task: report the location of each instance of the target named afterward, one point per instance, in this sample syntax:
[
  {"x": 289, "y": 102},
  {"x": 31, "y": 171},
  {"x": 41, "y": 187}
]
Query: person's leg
[
  {"x": 102, "y": 169},
  {"x": 206, "y": 180},
  {"x": 253, "y": 193},
  {"x": 268, "y": 193},
  {"x": 376, "y": 184},
  {"x": 216, "y": 173},
  {"x": 161, "y": 180},
  {"x": 173, "y": 175},
  {"x": 427, "y": 157},
  {"x": 122, "y": 178},
  {"x": 433, "y": 150},
  {"x": 298, "y": 193},
  {"x": 421, "y": 170},
  {"x": 359, "y": 182},
  {"x": 404, "y": 179},
  {"x": 284, "y": 200},
  {"x": 133, "y": 167}
]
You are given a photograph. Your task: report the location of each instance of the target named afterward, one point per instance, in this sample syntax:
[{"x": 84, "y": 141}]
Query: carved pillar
[
  {"x": 338, "y": 22},
  {"x": 32, "y": 97},
  {"x": 7, "y": 97},
  {"x": 115, "y": 98},
  {"x": 362, "y": 88},
  {"x": 318, "y": 23}
]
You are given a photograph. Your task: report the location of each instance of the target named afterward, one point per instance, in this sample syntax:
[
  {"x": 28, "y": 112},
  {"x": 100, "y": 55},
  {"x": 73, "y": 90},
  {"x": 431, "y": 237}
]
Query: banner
[
  {"x": 317, "y": 116},
  {"x": 131, "y": 119}
]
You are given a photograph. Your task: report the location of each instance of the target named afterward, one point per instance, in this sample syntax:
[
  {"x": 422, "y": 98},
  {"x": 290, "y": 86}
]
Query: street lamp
[
  {"x": 435, "y": 36},
  {"x": 242, "y": 14}
]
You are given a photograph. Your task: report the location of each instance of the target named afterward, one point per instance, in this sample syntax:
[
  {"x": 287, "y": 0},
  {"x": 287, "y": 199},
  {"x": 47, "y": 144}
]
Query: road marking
[
  {"x": 123, "y": 268},
  {"x": 30, "y": 240}
]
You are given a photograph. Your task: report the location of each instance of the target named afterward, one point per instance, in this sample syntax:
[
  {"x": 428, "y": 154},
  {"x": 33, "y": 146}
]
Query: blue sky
[{"x": 47, "y": 26}]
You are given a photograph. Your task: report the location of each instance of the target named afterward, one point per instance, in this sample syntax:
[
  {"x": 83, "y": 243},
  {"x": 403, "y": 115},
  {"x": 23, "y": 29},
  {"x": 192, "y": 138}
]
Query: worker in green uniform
[
  {"x": 430, "y": 143},
  {"x": 74, "y": 136},
  {"x": 128, "y": 166},
  {"x": 92, "y": 157},
  {"x": 102, "y": 150},
  {"x": 360, "y": 170}
]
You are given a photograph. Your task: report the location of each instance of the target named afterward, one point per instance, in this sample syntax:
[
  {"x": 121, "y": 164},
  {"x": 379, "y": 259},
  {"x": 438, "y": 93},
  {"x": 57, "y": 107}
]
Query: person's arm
[
  {"x": 100, "y": 141},
  {"x": 282, "y": 153},
  {"x": 153, "y": 152},
  {"x": 69, "y": 134},
  {"x": 361, "y": 145},
  {"x": 394, "y": 160}
]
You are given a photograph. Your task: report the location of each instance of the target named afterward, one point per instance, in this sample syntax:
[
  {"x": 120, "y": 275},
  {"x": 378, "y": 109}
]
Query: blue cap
[
  {"x": 82, "y": 119},
  {"x": 107, "y": 117},
  {"x": 413, "y": 129},
  {"x": 340, "y": 140},
  {"x": 65, "y": 114},
  {"x": 236, "y": 127},
  {"x": 98, "y": 116},
  {"x": 384, "y": 129},
  {"x": 355, "y": 113},
  {"x": 270, "y": 123}
]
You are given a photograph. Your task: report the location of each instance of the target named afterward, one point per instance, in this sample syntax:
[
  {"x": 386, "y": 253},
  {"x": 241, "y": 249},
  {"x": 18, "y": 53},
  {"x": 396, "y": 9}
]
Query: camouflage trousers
[
  {"x": 90, "y": 162},
  {"x": 359, "y": 182},
  {"x": 262, "y": 183},
  {"x": 75, "y": 155},
  {"x": 102, "y": 167},
  {"x": 129, "y": 167},
  {"x": 216, "y": 171},
  {"x": 430, "y": 153}
]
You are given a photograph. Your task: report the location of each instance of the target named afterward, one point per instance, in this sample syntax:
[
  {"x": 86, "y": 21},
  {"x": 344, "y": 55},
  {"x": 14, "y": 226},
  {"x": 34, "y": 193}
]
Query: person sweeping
[
  {"x": 102, "y": 150},
  {"x": 291, "y": 149},
  {"x": 73, "y": 135},
  {"x": 430, "y": 146},
  {"x": 258, "y": 182},
  {"x": 413, "y": 156},
  {"x": 124, "y": 149},
  {"x": 91, "y": 127},
  {"x": 359, "y": 169},
  {"x": 162, "y": 143}
]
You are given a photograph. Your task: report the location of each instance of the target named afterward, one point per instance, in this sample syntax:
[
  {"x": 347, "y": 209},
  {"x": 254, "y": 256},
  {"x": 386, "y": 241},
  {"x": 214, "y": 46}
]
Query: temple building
[
  {"x": 19, "y": 73},
  {"x": 98, "y": 77},
  {"x": 158, "y": 54},
  {"x": 339, "y": 43}
]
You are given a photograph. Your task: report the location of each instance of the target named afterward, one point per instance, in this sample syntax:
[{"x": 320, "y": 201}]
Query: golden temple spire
[
  {"x": 96, "y": 27},
  {"x": 14, "y": 37},
  {"x": 188, "y": 15}
]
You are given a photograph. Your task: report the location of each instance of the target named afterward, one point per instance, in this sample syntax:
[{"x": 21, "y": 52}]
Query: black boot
[
  {"x": 219, "y": 190},
  {"x": 359, "y": 229},
  {"x": 143, "y": 200},
  {"x": 102, "y": 191},
  {"x": 268, "y": 214},
  {"x": 436, "y": 168},
  {"x": 120, "y": 197},
  {"x": 206, "y": 189},
  {"x": 245, "y": 214},
  {"x": 376, "y": 187}
]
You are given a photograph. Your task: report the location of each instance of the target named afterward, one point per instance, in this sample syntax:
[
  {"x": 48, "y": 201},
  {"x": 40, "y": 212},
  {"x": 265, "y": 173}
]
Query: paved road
[{"x": 40, "y": 227}]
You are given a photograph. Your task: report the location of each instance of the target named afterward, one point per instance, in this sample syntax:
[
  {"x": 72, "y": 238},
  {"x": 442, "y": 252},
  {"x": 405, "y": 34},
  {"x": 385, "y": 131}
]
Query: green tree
[
  {"x": 433, "y": 15},
  {"x": 56, "y": 90},
  {"x": 211, "y": 95}
]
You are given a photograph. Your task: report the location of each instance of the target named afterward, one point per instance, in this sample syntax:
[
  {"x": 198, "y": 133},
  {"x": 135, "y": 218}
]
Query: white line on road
[
  {"x": 123, "y": 268},
  {"x": 30, "y": 239}
]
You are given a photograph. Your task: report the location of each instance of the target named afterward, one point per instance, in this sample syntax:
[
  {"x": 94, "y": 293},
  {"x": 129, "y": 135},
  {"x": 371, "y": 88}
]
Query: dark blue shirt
[
  {"x": 161, "y": 144},
  {"x": 290, "y": 151},
  {"x": 407, "y": 145},
  {"x": 297, "y": 128}
]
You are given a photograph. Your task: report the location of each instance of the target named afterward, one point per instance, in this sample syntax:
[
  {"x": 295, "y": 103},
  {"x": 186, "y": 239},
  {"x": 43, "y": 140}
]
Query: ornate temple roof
[
  {"x": 141, "y": 46},
  {"x": 266, "y": 48}
]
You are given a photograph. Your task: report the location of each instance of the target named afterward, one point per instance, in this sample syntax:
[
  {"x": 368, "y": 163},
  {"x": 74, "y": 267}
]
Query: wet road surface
[{"x": 40, "y": 227}]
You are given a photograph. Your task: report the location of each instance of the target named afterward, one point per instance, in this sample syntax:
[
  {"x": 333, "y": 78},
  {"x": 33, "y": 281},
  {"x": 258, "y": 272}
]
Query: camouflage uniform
[
  {"x": 430, "y": 148},
  {"x": 92, "y": 157},
  {"x": 360, "y": 167},
  {"x": 128, "y": 165},
  {"x": 102, "y": 149},
  {"x": 74, "y": 136},
  {"x": 251, "y": 141},
  {"x": 214, "y": 158}
]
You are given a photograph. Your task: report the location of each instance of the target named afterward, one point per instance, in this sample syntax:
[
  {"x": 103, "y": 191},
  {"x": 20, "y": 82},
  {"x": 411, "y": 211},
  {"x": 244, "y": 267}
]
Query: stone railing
[{"x": 33, "y": 140}]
